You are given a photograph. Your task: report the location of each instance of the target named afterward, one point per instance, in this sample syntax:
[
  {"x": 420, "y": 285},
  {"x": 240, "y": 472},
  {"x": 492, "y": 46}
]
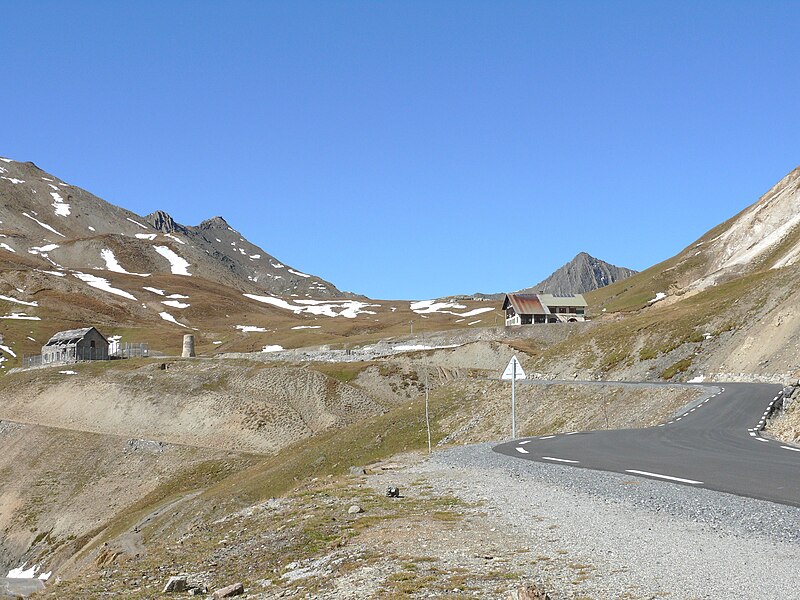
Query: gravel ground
[{"x": 639, "y": 538}]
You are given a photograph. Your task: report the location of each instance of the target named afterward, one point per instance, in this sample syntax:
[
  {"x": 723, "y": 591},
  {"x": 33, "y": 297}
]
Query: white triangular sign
[{"x": 510, "y": 371}]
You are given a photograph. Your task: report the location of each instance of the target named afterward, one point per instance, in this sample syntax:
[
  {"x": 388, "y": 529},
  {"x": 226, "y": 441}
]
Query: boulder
[
  {"x": 237, "y": 589},
  {"x": 358, "y": 471},
  {"x": 175, "y": 584},
  {"x": 355, "y": 509}
]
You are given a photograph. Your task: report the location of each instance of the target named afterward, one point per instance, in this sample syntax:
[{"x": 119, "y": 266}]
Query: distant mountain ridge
[
  {"x": 56, "y": 224},
  {"x": 582, "y": 274}
]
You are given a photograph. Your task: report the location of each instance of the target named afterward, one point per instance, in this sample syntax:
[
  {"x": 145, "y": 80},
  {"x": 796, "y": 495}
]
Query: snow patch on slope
[
  {"x": 168, "y": 317},
  {"x": 177, "y": 264},
  {"x": 175, "y": 303},
  {"x": 425, "y": 307},
  {"x": 113, "y": 265},
  {"x": 348, "y": 309},
  {"x": 60, "y": 207},
  {"x": 10, "y": 299},
  {"x": 102, "y": 284},
  {"x": 45, "y": 225}
]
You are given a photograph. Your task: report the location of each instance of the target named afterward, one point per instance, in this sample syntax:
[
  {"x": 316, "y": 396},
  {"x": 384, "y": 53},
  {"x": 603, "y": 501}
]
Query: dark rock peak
[
  {"x": 163, "y": 222},
  {"x": 214, "y": 223},
  {"x": 582, "y": 274}
]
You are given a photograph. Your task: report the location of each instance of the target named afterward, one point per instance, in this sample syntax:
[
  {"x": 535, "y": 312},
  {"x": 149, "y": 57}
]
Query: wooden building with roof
[
  {"x": 529, "y": 309},
  {"x": 75, "y": 345}
]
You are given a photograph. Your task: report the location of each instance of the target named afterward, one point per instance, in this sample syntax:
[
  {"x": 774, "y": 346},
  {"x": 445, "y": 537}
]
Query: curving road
[{"x": 715, "y": 445}]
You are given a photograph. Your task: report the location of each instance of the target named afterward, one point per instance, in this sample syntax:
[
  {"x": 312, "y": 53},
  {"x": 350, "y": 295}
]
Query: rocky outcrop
[{"x": 163, "y": 222}]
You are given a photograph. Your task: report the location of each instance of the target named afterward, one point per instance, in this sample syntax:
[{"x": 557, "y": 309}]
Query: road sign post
[
  {"x": 514, "y": 400},
  {"x": 513, "y": 372}
]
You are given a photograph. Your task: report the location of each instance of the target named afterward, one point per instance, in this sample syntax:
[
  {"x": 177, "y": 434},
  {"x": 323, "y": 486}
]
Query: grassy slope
[
  {"x": 215, "y": 311},
  {"x": 658, "y": 330}
]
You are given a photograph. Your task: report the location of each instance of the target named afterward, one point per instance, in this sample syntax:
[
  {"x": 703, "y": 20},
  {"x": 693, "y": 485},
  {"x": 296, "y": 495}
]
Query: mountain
[
  {"x": 69, "y": 259},
  {"x": 582, "y": 274},
  {"x": 60, "y": 225}
]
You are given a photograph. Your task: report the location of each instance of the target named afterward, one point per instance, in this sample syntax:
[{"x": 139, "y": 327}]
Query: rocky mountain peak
[
  {"x": 214, "y": 223},
  {"x": 163, "y": 222},
  {"x": 582, "y": 274}
]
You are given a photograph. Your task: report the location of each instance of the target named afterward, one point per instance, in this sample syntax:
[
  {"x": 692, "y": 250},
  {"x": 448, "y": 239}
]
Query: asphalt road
[{"x": 716, "y": 445}]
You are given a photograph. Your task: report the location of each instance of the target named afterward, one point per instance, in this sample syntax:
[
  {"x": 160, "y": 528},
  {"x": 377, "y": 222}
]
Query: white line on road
[
  {"x": 521, "y": 450},
  {"x": 564, "y": 460},
  {"x": 790, "y": 448},
  {"x": 663, "y": 476},
  {"x": 523, "y": 442},
  {"x": 547, "y": 437},
  {"x": 753, "y": 433},
  {"x": 762, "y": 440},
  {"x": 571, "y": 433}
]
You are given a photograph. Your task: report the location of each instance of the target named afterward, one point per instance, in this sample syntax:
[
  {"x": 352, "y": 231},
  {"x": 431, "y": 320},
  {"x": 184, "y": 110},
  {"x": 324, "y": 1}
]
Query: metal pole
[
  {"x": 427, "y": 417},
  {"x": 513, "y": 400}
]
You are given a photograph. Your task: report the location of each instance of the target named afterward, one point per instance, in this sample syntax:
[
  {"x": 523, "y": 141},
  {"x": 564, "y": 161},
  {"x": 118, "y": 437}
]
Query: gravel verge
[{"x": 637, "y": 538}]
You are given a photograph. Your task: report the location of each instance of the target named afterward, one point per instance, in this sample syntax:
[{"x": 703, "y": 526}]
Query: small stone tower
[{"x": 188, "y": 346}]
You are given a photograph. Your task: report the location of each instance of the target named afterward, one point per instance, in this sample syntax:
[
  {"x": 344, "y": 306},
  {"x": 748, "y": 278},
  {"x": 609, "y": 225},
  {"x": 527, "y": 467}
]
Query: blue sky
[{"x": 414, "y": 149}]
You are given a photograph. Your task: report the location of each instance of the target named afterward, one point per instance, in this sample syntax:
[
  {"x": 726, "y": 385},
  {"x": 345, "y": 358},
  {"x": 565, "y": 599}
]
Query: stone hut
[{"x": 75, "y": 345}]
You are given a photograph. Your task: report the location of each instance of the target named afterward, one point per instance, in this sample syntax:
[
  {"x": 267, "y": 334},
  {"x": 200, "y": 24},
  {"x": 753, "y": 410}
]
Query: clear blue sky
[{"x": 413, "y": 149}]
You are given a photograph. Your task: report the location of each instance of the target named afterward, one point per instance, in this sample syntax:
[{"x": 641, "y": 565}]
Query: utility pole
[{"x": 427, "y": 414}]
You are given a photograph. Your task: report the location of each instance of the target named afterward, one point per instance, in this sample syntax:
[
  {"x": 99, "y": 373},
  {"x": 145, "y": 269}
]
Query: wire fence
[{"x": 65, "y": 356}]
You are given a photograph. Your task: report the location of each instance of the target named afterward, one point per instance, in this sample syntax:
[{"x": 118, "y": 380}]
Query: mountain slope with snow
[
  {"x": 67, "y": 227},
  {"x": 69, "y": 259}
]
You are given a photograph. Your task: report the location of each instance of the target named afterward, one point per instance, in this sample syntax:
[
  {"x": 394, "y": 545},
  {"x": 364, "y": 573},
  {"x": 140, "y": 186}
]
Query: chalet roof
[
  {"x": 540, "y": 304},
  {"x": 70, "y": 336},
  {"x": 525, "y": 304},
  {"x": 565, "y": 300}
]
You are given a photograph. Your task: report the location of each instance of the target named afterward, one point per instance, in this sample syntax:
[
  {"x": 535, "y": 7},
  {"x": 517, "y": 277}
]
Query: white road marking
[
  {"x": 661, "y": 425},
  {"x": 547, "y": 437},
  {"x": 692, "y": 481},
  {"x": 753, "y": 433},
  {"x": 679, "y": 418},
  {"x": 571, "y": 433},
  {"x": 762, "y": 440},
  {"x": 694, "y": 409},
  {"x": 524, "y": 442},
  {"x": 521, "y": 450},
  {"x": 790, "y": 448},
  {"x": 564, "y": 460}
]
